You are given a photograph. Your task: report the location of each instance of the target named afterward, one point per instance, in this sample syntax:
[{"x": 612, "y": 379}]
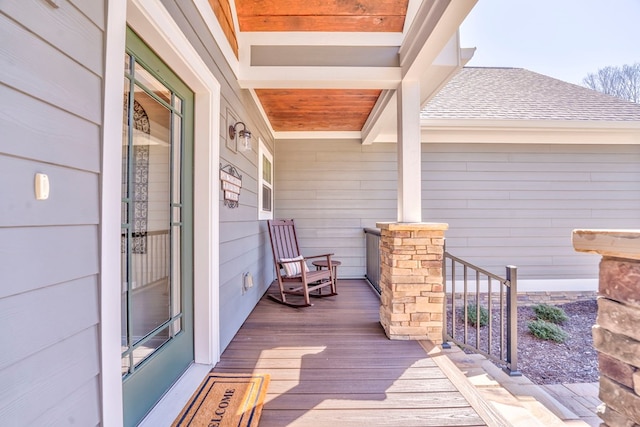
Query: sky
[{"x": 564, "y": 39}]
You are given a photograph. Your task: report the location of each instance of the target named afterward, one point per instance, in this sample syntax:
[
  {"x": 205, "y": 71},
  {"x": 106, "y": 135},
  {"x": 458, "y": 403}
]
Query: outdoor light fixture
[{"x": 242, "y": 133}]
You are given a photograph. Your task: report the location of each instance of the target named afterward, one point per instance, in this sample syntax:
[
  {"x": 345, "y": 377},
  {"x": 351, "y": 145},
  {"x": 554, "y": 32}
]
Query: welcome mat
[{"x": 225, "y": 400}]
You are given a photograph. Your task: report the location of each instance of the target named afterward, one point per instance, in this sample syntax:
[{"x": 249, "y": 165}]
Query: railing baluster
[
  {"x": 503, "y": 344},
  {"x": 465, "y": 302},
  {"x": 477, "y": 309},
  {"x": 512, "y": 325},
  {"x": 372, "y": 247},
  {"x": 490, "y": 310},
  {"x": 453, "y": 297},
  {"x": 445, "y": 343}
]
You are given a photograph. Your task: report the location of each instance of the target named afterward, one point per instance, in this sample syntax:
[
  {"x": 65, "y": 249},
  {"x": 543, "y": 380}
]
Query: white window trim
[{"x": 264, "y": 151}]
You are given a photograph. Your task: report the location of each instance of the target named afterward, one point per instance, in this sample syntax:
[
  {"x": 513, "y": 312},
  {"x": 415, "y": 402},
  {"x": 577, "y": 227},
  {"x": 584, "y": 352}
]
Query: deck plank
[
  {"x": 372, "y": 417},
  {"x": 332, "y": 364}
]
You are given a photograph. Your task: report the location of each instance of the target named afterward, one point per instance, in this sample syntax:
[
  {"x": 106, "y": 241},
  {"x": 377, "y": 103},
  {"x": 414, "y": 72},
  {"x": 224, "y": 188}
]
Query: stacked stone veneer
[
  {"x": 616, "y": 335},
  {"x": 412, "y": 297}
]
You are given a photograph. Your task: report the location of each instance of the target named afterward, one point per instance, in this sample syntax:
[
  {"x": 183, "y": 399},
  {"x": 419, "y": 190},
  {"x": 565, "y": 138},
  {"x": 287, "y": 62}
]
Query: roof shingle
[{"x": 519, "y": 94}]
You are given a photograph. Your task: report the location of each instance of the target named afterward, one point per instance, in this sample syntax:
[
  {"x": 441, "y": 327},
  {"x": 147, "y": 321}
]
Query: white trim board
[{"x": 110, "y": 221}]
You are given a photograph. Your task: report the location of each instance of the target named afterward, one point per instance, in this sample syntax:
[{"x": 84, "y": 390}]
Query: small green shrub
[
  {"x": 550, "y": 313},
  {"x": 547, "y": 331},
  {"x": 472, "y": 315}
]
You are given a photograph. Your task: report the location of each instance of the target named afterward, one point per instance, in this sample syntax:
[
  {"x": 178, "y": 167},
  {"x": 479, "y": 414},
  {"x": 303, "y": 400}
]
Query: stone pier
[
  {"x": 411, "y": 280},
  {"x": 616, "y": 335}
]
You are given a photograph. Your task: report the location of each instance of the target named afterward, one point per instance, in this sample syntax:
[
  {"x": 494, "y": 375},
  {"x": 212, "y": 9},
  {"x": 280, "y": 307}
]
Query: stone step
[{"x": 516, "y": 400}]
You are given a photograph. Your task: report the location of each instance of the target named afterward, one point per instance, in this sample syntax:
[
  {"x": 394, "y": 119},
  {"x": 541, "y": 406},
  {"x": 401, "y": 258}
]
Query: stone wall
[
  {"x": 412, "y": 299},
  {"x": 554, "y": 298},
  {"x": 531, "y": 298},
  {"x": 616, "y": 335}
]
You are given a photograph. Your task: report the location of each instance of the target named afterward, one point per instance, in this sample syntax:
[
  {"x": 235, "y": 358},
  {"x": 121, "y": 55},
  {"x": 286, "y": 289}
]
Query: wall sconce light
[{"x": 242, "y": 133}]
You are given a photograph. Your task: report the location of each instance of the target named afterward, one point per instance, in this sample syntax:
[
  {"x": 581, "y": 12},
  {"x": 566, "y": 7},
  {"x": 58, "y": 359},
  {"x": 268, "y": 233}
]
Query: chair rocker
[{"x": 294, "y": 277}]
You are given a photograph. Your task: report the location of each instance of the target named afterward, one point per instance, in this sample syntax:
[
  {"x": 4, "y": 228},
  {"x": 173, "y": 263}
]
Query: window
[{"x": 265, "y": 190}]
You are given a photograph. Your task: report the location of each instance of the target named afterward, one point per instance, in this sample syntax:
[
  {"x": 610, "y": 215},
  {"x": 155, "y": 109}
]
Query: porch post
[
  {"x": 409, "y": 157},
  {"x": 411, "y": 280}
]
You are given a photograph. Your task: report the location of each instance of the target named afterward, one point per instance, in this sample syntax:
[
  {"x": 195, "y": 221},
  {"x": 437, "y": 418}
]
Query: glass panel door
[{"x": 156, "y": 235}]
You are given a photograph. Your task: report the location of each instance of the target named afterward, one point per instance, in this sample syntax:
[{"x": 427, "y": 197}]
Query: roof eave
[{"x": 531, "y": 131}]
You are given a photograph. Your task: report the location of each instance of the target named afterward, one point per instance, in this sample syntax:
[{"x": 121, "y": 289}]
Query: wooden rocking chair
[{"x": 294, "y": 277}]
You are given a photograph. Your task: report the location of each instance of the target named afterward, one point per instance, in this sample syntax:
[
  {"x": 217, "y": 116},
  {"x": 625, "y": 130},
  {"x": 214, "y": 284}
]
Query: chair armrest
[{"x": 318, "y": 256}]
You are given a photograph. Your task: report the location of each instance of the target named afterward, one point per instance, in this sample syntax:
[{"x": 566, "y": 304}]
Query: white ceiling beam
[
  {"x": 319, "y": 77},
  {"x": 376, "y": 122},
  {"x": 318, "y": 135},
  {"x": 316, "y": 38},
  {"x": 433, "y": 36}
]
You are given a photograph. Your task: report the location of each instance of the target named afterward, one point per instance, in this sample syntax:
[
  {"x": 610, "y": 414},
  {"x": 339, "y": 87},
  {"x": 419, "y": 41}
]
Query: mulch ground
[{"x": 549, "y": 362}]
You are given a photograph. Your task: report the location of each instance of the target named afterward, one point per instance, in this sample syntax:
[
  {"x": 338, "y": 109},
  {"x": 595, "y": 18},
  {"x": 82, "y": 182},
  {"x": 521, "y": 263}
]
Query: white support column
[{"x": 409, "y": 155}]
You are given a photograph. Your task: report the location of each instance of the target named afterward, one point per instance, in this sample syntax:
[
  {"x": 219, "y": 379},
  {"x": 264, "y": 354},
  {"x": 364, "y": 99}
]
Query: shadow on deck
[{"x": 332, "y": 364}]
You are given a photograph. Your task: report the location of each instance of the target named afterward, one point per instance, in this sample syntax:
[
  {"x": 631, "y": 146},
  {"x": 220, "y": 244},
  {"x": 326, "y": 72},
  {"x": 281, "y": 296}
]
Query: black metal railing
[
  {"x": 372, "y": 244},
  {"x": 478, "y": 306}
]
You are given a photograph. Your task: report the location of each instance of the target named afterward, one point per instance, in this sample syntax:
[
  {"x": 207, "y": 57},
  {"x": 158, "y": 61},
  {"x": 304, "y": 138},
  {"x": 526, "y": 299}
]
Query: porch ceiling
[
  {"x": 317, "y": 109},
  {"x": 322, "y": 15},
  {"x": 318, "y": 68}
]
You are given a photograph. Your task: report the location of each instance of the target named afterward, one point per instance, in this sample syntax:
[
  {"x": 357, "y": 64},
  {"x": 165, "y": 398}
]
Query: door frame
[{"x": 152, "y": 22}]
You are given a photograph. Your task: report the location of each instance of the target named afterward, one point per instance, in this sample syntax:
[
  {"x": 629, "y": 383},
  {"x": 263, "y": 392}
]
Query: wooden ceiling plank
[
  {"x": 322, "y": 23},
  {"x": 317, "y": 109},
  {"x": 321, "y": 7},
  {"x": 222, "y": 11},
  {"x": 299, "y": 94},
  {"x": 333, "y": 127},
  {"x": 312, "y": 92},
  {"x": 310, "y": 103}
]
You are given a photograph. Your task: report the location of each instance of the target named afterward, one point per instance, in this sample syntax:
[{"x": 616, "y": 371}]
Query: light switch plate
[{"x": 42, "y": 186}]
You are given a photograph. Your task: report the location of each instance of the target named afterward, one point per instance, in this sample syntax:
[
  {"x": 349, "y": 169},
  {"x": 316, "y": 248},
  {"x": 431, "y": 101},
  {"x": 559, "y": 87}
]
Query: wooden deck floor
[{"x": 332, "y": 365}]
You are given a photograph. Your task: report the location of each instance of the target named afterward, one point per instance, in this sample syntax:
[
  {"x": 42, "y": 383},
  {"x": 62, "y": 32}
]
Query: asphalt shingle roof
[{"x": 519, "y": 94}]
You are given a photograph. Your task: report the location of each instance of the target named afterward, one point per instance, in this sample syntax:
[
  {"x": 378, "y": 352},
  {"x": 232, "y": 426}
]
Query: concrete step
[{"x": 516, "y": 400}]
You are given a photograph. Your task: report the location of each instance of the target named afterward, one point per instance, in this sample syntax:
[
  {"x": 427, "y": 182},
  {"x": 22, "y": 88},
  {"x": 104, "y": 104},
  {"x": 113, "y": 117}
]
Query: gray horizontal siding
[
  {"x": 35, "y": 257},
  {"x": 73, "y": 197},
  {"x": 52, "y": 349},
  {"x": 51, "y": 65},
  {"x": 526, "y": 199},
  {"x": 333, "y": 189},
  {"x": 46, "y": 133},
  {"x": 505, "y": 204},
  {"x": 33, "y": 66},
  {"x": 81, "y": 407},
  {"x": 59, "y": 316},
  {"x": 66, "y": 25},
  {"x": 53, "y": 384}
]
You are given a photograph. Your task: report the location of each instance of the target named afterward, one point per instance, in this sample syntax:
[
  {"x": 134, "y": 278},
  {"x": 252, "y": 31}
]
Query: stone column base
[
  {"x": 412, "y": 300},
  {"x": 616, "y": 335}
]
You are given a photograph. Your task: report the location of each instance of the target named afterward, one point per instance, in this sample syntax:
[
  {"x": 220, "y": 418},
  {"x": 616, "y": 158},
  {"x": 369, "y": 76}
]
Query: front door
[{"x": 157, "y": 229}]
